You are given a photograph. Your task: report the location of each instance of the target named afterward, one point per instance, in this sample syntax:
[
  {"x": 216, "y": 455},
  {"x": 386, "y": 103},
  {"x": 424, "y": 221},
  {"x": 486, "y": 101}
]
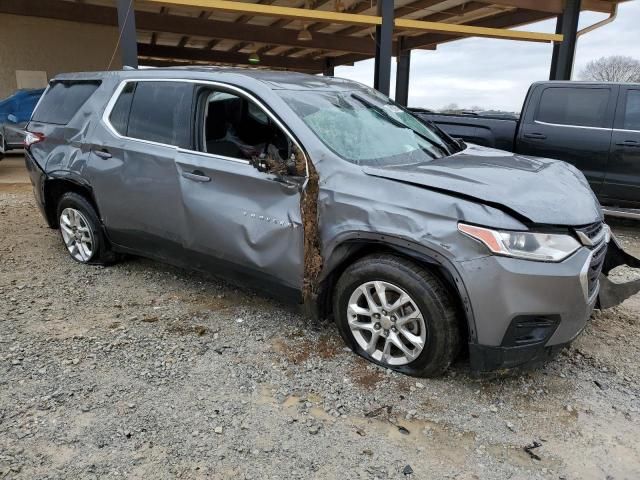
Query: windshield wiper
[
  {"x": 399, "y": 124},
  {"x": 459, "y": 144}
]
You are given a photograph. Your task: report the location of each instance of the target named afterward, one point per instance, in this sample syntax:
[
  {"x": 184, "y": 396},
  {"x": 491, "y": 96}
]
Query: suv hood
[{"x": 543, "y": 191}]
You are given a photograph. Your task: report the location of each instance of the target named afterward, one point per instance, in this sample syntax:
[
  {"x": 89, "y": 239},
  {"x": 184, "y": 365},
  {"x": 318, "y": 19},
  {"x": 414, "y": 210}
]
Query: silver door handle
[
  {"x": 103, "y": 154},
  {"x": 535, "y": 136},
  {"x": 196, "y": 176},
  {"x": 628, "y": 143}
]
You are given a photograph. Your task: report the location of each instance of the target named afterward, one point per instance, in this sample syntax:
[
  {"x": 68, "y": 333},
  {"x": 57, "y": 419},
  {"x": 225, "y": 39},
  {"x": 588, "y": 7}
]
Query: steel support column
[
  {"x": 556, "y": 48},
  {"x": 564, "y": 52},
  {"x": 384, "y": 47},
  {"x": 403, "y": 70},
  {"x": 127, "y": 33},
  {"x": 329, "y": 69}
]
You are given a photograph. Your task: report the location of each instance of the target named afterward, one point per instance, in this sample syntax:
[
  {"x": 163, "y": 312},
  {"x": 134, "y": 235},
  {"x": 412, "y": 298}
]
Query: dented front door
[{"x": 242, "y": 223}]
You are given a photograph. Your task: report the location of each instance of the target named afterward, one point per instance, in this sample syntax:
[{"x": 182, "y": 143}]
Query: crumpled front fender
[{"x": 612, "y": 294}]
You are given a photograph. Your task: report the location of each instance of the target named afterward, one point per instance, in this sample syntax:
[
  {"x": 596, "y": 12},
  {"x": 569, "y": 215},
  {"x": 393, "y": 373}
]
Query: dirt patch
[
  {"x": 295, "y": 353},
  {"x": 14, "y": 187},
  {"x": 210, "y": 302},
  {"x": 309, "y": 211},
  {"x": 326, "y": 347},
  {"x": 182, "y": 329},
  {"x": 367, "y": 376}
]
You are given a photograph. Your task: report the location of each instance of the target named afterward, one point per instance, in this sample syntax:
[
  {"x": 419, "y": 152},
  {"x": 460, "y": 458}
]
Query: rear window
[
  {"x": 63, "y": 100},
  {"x": 584, "y": 107},
  {"x": 158, "y": 112}
]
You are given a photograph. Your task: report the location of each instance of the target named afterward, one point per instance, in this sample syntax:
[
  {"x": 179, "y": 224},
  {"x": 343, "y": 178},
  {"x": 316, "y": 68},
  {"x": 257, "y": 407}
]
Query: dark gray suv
[{"x": 326, "y": 193}]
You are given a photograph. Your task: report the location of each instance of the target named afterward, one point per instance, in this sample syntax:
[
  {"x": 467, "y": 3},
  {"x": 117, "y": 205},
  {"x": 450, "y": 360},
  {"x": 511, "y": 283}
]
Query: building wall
[{"x": 53, "y": 46}]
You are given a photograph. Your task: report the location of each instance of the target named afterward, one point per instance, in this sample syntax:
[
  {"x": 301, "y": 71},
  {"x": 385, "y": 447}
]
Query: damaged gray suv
[{"x": 326, "y": 193}]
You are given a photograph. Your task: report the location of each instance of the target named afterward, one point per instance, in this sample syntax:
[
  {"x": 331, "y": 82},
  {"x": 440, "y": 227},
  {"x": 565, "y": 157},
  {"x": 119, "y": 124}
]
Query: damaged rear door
[{"x": 242, "y": 218}]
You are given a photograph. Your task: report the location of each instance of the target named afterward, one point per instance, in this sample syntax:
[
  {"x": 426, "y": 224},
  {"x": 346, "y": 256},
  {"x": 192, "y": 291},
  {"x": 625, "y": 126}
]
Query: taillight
[{"x": 32, "y": 138}]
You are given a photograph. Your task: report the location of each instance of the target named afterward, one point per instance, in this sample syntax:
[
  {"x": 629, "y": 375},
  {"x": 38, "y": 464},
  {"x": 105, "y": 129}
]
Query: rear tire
[
  {"x": 81, "y": 231},
  {"x": 3, "y": 147},
  {"x": 417, "y": 333}
]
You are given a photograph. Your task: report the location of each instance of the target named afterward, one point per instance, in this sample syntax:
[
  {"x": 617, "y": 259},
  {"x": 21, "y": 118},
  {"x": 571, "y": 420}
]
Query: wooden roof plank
[
  {"x": 552, "y": 6},
  {"x": 214, "y": 56},
  {"x": 276, "y": 11},
  {"x": 185, "y": 25}
]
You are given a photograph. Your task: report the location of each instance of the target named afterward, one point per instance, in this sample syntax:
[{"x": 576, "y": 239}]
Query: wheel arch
[
  {"x": 351, "y": 247},
  {"x": 57, "y": 185}
]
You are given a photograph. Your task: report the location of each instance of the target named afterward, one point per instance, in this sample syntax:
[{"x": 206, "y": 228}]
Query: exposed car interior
[{"x": 236, "y": 127}]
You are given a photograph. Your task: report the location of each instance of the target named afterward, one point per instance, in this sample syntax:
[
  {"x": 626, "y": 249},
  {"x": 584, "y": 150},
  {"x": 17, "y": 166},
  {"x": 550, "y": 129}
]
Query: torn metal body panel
[
  {"x": 373, "y": 179},
  {"x": 611, "y": 293}
]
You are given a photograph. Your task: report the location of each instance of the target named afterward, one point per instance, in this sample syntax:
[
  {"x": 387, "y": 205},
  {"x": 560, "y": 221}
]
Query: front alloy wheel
[
  {"x": 386, "y": 323},
  {"x": 77, "y": 234},
  {"x": 398, "y": 314}
]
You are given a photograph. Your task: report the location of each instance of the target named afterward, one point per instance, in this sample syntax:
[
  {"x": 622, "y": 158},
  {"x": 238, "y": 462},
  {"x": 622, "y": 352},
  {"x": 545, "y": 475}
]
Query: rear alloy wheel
[
  {"x": 77, "y": 234},
  {"x": 3, "y": 147},
  {"x": 398, "y": 314},
  {"x": 81, "y": 231}
]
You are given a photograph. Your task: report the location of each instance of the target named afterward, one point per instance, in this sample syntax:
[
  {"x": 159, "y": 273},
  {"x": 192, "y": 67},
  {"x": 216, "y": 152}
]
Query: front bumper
[{"x": 525, "y": 311}]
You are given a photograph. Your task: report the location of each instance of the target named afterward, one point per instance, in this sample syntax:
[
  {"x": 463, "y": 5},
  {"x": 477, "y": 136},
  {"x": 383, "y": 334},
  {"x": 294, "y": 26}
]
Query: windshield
[{"x": 366, "y": 128}]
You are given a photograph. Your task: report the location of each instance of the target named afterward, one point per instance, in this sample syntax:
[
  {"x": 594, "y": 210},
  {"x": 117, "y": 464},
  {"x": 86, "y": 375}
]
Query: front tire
[
  {"x": 397, "y": 314},
  {"x": 81, "y": 231}
]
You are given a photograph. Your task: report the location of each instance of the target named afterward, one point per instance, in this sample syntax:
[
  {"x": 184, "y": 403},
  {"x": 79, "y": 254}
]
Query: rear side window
[
  {"x": 119, "y": 117},
  {"x": 584, "y": 107},
  {"x": 632, "y": 111},
  {"x": 63, "y": 100},
  {"x": 159, "y": 112}
]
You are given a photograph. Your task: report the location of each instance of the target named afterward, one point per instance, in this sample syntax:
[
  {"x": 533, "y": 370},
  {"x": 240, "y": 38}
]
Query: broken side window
[{"x": 234, "y": 126}]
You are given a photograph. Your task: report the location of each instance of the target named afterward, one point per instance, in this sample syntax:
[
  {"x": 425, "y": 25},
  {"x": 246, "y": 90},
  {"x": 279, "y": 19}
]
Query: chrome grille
[{"x": 594, "y": 237}]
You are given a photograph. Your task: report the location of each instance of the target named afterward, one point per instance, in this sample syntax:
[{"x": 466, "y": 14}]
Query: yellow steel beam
[
  {"x": 359, "y": 19},
  {"x": 471, "y": 31},
  {"x": 276, "y": 11}
]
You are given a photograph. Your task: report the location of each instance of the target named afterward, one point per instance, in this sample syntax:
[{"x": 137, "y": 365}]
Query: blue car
[{"x": 15, "y": 112}]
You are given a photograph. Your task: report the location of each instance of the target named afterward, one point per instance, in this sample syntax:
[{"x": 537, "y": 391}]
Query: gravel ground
[{"x": 142, "y": 370}]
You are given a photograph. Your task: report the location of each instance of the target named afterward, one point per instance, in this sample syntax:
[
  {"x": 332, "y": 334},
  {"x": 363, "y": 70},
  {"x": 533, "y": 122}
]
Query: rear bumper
[{"x": 37, "y": 177}]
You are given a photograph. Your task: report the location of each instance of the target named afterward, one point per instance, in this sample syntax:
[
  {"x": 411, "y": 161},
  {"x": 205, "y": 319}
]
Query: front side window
[
  {"x": 234, "y": 126},
  {"x": 155, "y": 111},
  {"x": 582, "y": 107},
  {"x": 366, "y": 128},
  {"x": 632, "y": 111}
]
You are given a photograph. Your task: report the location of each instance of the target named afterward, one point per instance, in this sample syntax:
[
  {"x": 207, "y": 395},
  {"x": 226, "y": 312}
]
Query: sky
[{"x": 495, "y": 74}]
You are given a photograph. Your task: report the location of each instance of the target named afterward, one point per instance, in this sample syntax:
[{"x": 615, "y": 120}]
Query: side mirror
[{"x": 12, "y": 118}]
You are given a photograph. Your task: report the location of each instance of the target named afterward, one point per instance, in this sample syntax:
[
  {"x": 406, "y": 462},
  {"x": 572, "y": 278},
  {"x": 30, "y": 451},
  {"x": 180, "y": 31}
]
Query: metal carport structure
[{"x": 315, "y": 35}]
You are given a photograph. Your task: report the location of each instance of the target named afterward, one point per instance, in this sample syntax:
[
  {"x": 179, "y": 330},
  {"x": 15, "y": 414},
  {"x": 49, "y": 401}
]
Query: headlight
[{"x": 546, "y": 247}]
